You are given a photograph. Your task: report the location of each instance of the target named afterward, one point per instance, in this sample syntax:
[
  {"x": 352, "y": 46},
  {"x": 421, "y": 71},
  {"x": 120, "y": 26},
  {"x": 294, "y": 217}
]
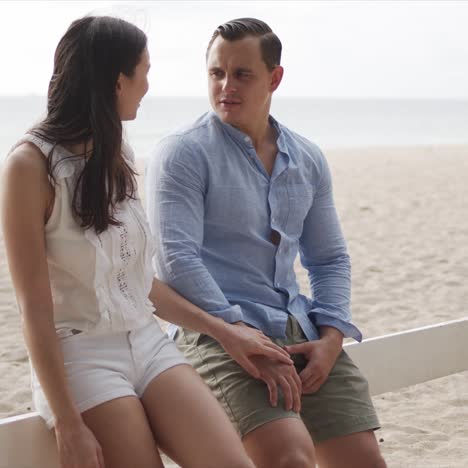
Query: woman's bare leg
[
  {"x": 122, "y": 429},
  {"x": 189, "y": 424}
]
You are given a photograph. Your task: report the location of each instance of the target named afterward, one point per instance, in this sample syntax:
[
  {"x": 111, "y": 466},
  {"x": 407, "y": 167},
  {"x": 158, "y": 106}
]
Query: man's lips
[{"x": 229, "y": 102}]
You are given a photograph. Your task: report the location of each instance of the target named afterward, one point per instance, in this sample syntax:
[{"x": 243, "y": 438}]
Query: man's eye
[
  {"x": 243, "y": 75},
  {"x": 217, "y": 74}
]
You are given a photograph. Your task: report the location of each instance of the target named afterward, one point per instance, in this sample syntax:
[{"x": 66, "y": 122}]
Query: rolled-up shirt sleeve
[
  {"x": 175, "y": 194},
  {"x": 324, "y": 254}
]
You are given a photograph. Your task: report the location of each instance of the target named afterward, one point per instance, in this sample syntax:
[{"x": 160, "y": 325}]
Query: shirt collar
[{"x": 245, "y": 141}]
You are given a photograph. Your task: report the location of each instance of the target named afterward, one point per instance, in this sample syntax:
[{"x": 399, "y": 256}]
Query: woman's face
[{"x": 130, "y": 90}]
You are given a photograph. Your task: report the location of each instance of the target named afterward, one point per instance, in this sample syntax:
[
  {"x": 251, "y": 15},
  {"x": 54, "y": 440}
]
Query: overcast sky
[{"x": 390, "y": 49}]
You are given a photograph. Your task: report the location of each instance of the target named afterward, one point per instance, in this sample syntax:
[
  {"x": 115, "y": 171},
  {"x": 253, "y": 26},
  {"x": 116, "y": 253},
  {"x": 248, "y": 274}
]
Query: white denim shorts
[{"x": 100, "y": 368}]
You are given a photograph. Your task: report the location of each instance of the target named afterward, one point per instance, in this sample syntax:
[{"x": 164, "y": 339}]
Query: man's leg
[
  {"x": 340, "y": 411},
  {"x": 272, "y": 436},
  {"x": 283, "y": 443},
  {"x": 358, "y": 450},
  {"x": 340, "y": 417},
  {"x": 341, "y": 420}
]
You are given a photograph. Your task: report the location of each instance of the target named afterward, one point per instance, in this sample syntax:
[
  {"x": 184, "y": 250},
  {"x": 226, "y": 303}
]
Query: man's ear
[{"x": 276, "y": 77}]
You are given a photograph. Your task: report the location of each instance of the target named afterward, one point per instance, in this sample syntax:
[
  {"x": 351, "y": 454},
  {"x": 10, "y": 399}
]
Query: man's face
[{"x": 239, "y": 82}]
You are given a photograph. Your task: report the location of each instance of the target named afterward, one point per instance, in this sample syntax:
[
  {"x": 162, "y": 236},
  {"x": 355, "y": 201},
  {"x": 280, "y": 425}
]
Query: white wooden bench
[{"x": 390, "y": 362}]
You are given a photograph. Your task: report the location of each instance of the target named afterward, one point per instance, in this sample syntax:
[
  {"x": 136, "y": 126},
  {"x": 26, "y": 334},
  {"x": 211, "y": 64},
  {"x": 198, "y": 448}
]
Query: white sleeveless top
[{"x": 99, "y": 283}]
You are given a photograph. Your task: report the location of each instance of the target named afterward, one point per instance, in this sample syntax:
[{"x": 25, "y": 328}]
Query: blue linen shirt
[{"x": 212, "y": 208}]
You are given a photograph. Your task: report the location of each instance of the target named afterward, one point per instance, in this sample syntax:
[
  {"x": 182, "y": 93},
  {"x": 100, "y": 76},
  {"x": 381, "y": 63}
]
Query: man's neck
[
  {"x": 261, "y": 132},
  {"x": 264, "y": 141}
]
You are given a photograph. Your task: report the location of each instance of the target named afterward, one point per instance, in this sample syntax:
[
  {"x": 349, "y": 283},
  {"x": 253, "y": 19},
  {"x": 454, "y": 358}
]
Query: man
[{"x": 231, "y": 201}]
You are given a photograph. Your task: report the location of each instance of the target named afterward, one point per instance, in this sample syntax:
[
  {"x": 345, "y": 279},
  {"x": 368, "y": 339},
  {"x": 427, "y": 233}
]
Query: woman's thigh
[
  {"x": 189, "y": 424},
  {"x": 122, "y": 429}
]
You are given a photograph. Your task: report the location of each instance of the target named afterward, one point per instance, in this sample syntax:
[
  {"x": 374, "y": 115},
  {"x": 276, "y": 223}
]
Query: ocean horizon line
[
  {"x": 279, "y": 97},
  {"x": 328, "y": 122}
]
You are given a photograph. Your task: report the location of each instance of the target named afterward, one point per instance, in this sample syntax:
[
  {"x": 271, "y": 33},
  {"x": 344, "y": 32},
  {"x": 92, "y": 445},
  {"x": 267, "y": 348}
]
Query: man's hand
[
  {"x": 242, "y": 343},
  {"x": 321, "y": 356},
  {"x": 276, "y": 374}
]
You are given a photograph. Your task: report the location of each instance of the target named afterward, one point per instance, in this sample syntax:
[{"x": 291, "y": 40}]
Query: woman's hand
[
  {"x": 77, "y": 447},
  {"x": 276, "y": 374},
  {"x": 242, "y": 343}
]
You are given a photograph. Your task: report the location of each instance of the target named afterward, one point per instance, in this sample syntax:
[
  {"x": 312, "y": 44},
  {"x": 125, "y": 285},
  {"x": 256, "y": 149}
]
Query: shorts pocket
[{"x": 186, "y": 337}]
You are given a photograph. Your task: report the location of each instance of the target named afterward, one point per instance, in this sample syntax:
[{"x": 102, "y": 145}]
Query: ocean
[{"x": 331, "y": 123}]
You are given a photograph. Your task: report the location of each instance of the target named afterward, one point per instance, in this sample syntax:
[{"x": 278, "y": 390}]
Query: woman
[{"x": 105, "y": 377}]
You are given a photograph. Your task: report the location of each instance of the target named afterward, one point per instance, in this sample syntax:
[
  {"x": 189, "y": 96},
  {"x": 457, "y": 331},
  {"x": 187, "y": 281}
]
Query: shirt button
[{"x": 246, "y": 139}]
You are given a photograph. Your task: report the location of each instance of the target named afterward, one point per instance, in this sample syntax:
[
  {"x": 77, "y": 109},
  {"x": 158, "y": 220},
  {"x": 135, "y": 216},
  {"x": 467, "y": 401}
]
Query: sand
[{"x": 404, "y": 214}]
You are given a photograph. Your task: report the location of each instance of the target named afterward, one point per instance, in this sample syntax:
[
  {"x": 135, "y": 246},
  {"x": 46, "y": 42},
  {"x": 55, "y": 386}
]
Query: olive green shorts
[{"x": 341, "y": 406}]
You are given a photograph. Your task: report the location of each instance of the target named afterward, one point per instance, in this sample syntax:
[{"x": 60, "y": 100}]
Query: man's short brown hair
[{"x": 234, "y": 30}]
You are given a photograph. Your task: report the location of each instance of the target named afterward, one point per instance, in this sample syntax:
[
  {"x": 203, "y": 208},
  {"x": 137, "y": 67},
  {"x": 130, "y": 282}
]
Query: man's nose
[{"x": 229, "y": 84}]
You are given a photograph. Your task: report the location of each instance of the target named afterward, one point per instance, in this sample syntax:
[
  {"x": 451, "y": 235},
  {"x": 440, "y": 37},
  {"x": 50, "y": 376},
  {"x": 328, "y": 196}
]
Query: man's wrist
[{"x": 331, "y": 334}]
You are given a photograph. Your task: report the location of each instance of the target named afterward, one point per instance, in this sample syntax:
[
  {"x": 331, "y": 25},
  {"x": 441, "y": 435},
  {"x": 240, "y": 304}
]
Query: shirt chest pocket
[{"x": 299, "y": 199}]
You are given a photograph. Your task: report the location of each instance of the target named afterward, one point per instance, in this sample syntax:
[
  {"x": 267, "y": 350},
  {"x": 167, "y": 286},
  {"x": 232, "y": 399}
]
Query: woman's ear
[{"x": 118, "y": 86}]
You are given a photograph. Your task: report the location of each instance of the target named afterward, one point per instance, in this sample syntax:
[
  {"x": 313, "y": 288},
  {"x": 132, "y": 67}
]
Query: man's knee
[
  {"x": 357, "y": 450},
  {"x": 371, "y": 457},
  {"x": 295, "y": 458},
  {"x": 289, "y": 455},
  {"x": 282, "y": 443},
  {"x": 378, "y": 462},
  {"x": 239, "y": 462}
]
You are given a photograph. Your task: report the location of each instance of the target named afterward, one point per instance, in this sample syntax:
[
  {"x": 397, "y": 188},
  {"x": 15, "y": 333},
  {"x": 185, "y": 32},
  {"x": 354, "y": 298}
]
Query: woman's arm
[
  {"x": 238, "y": 340},
  {"x": 26, "y": 196},
  {"x": 25, "y": 199}
]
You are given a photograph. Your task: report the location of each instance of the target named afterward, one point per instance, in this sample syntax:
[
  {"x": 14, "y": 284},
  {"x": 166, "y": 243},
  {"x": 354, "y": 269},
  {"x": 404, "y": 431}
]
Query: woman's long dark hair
[{"x": 82, "y": 107}]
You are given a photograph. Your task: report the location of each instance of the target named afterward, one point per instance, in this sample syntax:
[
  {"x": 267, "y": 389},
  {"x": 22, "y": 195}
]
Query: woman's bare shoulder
[
  {"x": 26, "y": 164},
  {"x": 26, "y": 155},
  {"x": 25, "y": 172}
]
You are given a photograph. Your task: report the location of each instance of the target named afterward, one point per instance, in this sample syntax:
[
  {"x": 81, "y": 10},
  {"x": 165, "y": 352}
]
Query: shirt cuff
[
  {"x": 230, "y": 314},
  {"x": 320, "y": 319}
]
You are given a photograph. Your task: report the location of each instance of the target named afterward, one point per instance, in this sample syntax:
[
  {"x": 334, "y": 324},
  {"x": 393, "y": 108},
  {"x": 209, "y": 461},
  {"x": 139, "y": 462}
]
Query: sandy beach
[{"x": 404, "y": 214}]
